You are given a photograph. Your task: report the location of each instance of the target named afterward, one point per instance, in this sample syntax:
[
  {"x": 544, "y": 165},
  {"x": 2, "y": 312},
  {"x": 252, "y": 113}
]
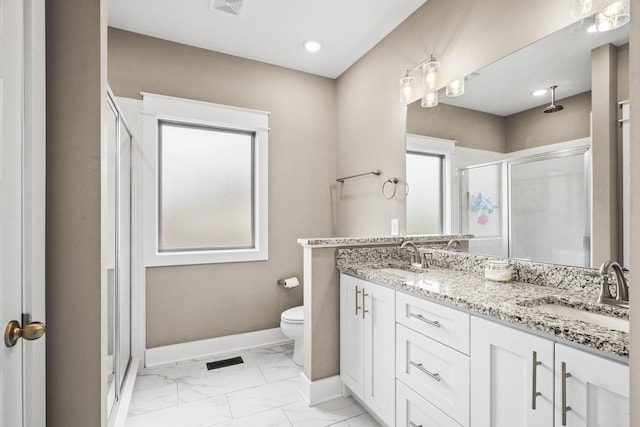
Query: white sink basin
[
  {"x": 398, "y": 272},
  {"x": 413, "y": 278},
  {"x": 586, "y": 316}
]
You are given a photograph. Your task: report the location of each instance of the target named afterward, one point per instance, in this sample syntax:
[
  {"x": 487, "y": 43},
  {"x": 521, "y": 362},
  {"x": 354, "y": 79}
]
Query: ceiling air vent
[{"x": 229, "y": 6}]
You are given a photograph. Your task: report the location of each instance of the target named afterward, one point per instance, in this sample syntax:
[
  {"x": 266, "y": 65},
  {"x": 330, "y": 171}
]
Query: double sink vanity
[{"x": 440, "y": 345}]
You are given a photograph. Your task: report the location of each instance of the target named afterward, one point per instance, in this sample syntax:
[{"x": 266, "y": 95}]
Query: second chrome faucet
[
  {"x": 418, "y": 259},
  {"x": 622, "y": 287}
]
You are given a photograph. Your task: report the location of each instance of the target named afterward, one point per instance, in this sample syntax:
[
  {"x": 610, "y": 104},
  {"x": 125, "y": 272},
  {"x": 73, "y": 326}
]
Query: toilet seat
[{"x": 293, "y": 315}]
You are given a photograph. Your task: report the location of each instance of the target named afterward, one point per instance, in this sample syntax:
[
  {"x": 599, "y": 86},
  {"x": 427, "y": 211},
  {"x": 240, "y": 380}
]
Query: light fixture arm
[{"x": 422, "y": 64}]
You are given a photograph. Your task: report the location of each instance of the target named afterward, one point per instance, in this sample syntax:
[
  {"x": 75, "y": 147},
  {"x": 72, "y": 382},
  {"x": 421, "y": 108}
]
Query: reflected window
[{"x": 425, "y": 207}]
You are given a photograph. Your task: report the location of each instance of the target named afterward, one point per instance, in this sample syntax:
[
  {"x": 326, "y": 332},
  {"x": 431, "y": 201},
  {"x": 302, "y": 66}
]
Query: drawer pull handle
[
  {"x": 423, "y": 369},
  {"x": 565, "y": 408},
  {"x": 357, "y": 306},
  {"x": 364, "y": 308},
  {"x": 534, "y": 392},
  {"x": 412, "y": 424},
  {"x": 425, "y": 320}
]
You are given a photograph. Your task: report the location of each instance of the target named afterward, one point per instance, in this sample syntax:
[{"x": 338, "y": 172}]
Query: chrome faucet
[
  {"x": 418, "y": 259},
  {"x": 622, "y": 287},
  {"x": 453, "y": 245}
]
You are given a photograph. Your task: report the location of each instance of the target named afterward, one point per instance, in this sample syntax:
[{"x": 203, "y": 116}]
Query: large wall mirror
[{"x": 492, "y": 163}]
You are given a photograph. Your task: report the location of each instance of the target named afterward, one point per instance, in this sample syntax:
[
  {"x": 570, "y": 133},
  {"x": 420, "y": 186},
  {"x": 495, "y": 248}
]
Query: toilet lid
[{"x": 295, "y": 314}]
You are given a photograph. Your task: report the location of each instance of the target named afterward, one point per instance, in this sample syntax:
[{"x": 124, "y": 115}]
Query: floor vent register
[{"x": 224, "y": 363}]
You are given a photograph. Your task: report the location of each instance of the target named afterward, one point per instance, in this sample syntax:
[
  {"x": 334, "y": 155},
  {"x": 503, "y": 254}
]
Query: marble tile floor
[{"x": 261, "y": 392}]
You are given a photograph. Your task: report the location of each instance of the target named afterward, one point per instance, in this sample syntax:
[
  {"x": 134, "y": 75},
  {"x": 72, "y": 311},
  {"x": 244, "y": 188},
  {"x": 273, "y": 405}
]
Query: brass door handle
[{"x": 31, "y": 331}]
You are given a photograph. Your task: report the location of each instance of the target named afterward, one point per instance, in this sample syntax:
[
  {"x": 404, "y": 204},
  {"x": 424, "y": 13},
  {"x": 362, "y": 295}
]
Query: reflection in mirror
[{"x": 515, "y": 172}]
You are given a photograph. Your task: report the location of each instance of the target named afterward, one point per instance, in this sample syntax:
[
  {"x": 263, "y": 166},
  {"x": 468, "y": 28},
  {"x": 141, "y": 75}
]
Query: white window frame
[{"x": 157, "y": 108}]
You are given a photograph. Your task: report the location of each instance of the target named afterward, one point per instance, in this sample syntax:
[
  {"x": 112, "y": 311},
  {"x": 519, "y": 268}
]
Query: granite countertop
[{"x": 511, "y": 302}]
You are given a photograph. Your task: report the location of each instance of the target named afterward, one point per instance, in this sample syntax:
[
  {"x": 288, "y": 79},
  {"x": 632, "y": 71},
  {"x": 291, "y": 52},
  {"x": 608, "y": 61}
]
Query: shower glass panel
[
  {"x": 118, "y": 212},
  {"x": 124, "y": 253},
  {"x": 425, "y": 198},
  {"x": 550, "y": 215},
  {"x": 112, "y": 166},
  {"x": 481, "y": 208}
]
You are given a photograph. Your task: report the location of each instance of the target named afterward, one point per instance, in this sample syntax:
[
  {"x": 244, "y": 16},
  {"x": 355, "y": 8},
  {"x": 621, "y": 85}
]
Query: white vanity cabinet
[
  {"x": 432, "y": 347},
  {"x": 513, "y": 375},
  {"x": 367, "y": 337},
  {"x": 593, "y": 391}
]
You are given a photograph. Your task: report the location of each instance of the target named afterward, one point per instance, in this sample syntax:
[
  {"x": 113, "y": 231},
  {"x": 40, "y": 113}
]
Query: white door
[
  {"x": 21, "y": 211},
  {"x": 511, "y": 377}
]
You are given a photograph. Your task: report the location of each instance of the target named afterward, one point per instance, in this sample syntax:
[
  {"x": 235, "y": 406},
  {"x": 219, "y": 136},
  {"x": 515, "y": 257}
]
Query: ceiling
[
  {"x": 562, "y": 59},
  {"x": 270, "y": 31}
]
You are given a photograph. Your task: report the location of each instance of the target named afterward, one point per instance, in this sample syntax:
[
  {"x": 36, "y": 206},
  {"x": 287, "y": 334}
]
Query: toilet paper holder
[{"x": 291, "y": 282}]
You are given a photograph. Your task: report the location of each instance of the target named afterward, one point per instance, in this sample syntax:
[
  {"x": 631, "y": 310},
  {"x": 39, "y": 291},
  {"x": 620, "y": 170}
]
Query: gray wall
[
  {"x": 75, "y": 291},
  {"x": 484, "y": 131},
  {"x": 470, "y": 128},
  {"x": 190, "y": 303},
  {"x": 533, "y": 128}
]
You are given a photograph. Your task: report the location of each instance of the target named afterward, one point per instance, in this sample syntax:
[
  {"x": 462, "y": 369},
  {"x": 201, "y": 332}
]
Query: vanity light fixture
[
  {"x": 406, "y": 88},
  {"x": 430, "y": 99},
  {"x": 582, "y": 8},
  {"x": 612, "y": 16},
  {"x": 312, "y": 45},
  {"x": 430, "y": 73},
  {"x": 455, "y": 88},
  {"x": 607, "y": 14}
]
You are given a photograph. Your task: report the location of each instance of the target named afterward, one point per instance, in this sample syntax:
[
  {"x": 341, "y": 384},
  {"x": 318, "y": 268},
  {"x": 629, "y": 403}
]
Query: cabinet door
[
  {"x": 511, "y": 377},
  {"x": 379, "y": 350},
  {"x": 594, "y": 388},
  {"x": 351, "y": 334}
]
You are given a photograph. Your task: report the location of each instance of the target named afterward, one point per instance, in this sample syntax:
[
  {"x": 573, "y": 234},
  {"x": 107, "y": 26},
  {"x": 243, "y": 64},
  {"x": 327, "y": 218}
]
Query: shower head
[{"x": 553, "y": 108}]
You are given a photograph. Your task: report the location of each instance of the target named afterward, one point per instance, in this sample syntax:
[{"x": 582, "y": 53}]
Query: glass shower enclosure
[{"x": 535, "y": 208}]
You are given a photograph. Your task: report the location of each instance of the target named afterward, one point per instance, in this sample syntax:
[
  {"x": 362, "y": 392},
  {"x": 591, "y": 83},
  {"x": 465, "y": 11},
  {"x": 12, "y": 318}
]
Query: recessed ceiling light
[
  {"x": 539, "y": 92},
  {"x": 312, "y": 45}
]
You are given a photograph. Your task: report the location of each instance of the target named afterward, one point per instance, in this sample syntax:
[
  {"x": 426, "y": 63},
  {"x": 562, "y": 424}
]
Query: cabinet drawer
[
  {"x": 412, "y": 410},
  {"x": 446, "y": 325},
  {"x": 435, "y": 371}
]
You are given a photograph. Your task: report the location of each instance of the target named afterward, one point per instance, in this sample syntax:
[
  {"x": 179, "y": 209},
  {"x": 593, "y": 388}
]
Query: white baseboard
[
  {"x": 322, "y": 390},
  {"x": 213, "y": 347}
]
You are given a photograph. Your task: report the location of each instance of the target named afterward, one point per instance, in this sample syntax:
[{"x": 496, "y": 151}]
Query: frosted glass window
[
  {"x": 424, "y": 201},
  {"x": 206, "y": 186}
]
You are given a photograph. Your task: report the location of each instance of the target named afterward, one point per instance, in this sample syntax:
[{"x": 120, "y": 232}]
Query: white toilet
[{"x": 292, "y": 325}]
